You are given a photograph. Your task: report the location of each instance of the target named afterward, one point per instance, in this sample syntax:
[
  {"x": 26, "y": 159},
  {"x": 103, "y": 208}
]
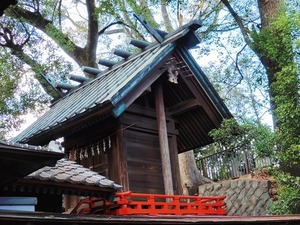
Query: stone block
[
  {"x": 260, "y": 209},
  {"x": 241, "y": 183},
  {"x": 255, "y": 184},
  {"x": 250, "y": 210},
  {"x": 226, "y": 184},
  {"x": 259, "y": 192},
  {"x": 228, "y": 205},
  {"x": 244, "y": 207},
  {"x": 230, "y": 193},
  {"x": 218, "y": 186},
  {"x": 242, "y": 194},
  {"x": 202, "y": 190},
  {"x": 250, "y": 191},
  {"x": 245, "y": 213},
  {"x": 223, "y": 191},
  {"x": 265, "y": 185},
  {"x": 232, "y": 212},
  {"x": 234, "y": 184},
  {"x": 237, "y": 204},
  {"x": 264, "y": 198},
  {"x": 248, "y": 183},
  {"x": 254, "y": 200},
  {"x": 232, "y": 198}
]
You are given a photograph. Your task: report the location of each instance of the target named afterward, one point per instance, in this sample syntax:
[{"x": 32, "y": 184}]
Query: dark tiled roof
[{"x": 71, "y": 172}]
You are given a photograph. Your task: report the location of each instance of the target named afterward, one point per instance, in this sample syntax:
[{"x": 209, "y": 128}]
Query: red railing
[
  {"x": 89, "y": 206},
  {"x": 128, "y": 203}
]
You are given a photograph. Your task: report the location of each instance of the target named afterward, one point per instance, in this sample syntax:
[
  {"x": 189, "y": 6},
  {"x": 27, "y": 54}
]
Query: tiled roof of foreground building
[{"x": 71, "y": 172}]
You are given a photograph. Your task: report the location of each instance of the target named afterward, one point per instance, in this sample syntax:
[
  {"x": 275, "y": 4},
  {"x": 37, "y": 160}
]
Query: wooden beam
[
  {"x": 163, "y": 139},
  {"x": 182, "y": 107}
]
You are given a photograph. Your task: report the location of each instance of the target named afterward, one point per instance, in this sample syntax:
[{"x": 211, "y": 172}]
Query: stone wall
[{"x": 244, "y": 197}]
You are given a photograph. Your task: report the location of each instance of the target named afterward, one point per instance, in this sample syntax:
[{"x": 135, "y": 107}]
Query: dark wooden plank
[
  {"x": 145, "y": 122},
  {"x": 143, "y": 162},
  {"x": 135, "y": 167},
  {"x": 148, "y": 190}
]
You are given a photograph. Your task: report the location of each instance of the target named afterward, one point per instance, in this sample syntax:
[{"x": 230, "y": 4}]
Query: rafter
[{"x": 183, "y": 107}]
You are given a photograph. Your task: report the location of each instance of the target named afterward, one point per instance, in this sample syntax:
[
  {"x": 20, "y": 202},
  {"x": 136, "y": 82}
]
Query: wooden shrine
[{"x": 132, "y": 119}]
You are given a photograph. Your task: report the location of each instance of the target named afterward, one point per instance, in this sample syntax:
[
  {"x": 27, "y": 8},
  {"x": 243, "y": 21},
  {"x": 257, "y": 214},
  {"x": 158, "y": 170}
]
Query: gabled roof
[{"x": 109, "y": 93}]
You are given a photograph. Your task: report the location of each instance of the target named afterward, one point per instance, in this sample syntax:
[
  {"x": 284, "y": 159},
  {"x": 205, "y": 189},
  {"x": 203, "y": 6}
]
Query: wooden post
[
  {"x": 175, "y": 165},
  {"x": 247, "y": 169},
  {"x": 203, "y": 167},
  {"x": 163, "y": 139}
]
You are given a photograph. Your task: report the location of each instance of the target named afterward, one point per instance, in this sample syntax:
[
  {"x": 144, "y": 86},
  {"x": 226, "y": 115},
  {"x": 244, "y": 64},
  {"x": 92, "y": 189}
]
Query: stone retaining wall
[{"x": 244, "y": 197}]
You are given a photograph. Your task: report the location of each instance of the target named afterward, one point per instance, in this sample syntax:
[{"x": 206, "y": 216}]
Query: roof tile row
[{"x": 71, "y": 172}]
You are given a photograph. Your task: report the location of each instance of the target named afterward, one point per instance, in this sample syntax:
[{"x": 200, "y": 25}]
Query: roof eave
[
  {"x": 205, "y": 83},
  {"x": 70, "y": 125}
]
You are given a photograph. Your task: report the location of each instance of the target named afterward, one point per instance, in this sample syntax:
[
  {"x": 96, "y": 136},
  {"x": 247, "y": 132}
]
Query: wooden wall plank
[{"x": 143, "y": 162}]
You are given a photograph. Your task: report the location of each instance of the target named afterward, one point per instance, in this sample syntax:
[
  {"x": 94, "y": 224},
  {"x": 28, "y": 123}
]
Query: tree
[
  {"x": 15, "y": 100},
  {"x": 275, "y": 49},
  {"x": 268, "y": 42}
]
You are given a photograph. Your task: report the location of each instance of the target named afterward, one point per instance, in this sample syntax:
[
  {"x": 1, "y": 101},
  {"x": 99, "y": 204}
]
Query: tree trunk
[
  {"x": 191, "y": 177},
  {"x": 269, "y": 10}
]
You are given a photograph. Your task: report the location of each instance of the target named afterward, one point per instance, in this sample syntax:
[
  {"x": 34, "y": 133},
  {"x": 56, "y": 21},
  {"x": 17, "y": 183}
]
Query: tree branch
[
  {"x": 59, "y": 13},
  {"x": 102, "y": 31},
  {"x": 245, "y": 31},
  {"x": 165, "y": 16},
  {"x": 37, "y": 20},
  {"x": 28, "y": 35},
  {"x": 8, "y": 39},
  {"x": 36, "y": 67},
  {"x": 237, "y": 65},
  {"x": 92, "y": 39},
  {"x": 125, "y": 17}
]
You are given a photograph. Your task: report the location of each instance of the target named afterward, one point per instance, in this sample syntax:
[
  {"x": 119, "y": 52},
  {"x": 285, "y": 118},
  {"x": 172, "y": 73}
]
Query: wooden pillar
[
  {"x": 203, "y": 167},
  {"x": 247, "y": 169},
  {"x": 163, "y": 139},
  {"x": 175, "y": 166},
  {"x": 117, "y": 162}
]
